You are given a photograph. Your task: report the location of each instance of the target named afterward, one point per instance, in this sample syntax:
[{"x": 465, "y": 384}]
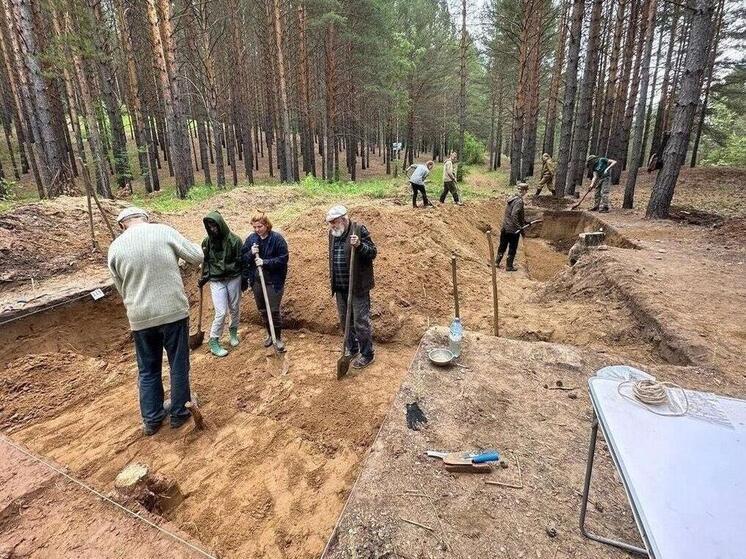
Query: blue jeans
[
  {"x": 361, "y": 331},
  {"x": 149, "y": 346}
]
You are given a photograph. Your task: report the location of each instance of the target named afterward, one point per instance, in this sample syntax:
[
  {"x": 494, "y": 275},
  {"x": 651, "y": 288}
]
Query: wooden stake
[
  {"x": 90, "y": 190},
  {"x": 455, "y": 285},
  {"x": 493, "y": 265}
]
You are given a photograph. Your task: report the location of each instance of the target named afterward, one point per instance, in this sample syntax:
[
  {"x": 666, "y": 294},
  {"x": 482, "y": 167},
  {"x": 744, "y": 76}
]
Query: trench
[{"x": 294, "y": 442}]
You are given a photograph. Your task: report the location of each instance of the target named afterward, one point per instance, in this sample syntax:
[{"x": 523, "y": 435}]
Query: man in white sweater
[{"x": 144, "y": 263}]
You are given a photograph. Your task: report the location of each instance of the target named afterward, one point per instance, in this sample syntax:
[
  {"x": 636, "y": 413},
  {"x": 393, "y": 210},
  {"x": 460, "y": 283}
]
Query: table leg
[{"x": 584, "y": 503}]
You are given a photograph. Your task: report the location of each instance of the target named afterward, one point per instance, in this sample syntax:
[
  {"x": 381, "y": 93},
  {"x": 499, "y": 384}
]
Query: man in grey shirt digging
[
  {"x": 144, "y": 264},
  {"x": 417, "y": 177}
]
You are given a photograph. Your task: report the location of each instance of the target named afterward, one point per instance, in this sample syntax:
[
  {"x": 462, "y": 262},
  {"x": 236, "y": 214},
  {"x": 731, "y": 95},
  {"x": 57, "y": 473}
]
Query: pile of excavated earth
[{"x": 271, "y": 474}]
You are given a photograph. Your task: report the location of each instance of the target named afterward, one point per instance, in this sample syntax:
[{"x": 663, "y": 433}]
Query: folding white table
[{"x": 685, "y": 477}]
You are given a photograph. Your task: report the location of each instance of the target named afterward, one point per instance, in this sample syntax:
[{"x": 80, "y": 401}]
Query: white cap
[
  {"x": 131, "y": 212},
  {"x": 335, "y": 212}
]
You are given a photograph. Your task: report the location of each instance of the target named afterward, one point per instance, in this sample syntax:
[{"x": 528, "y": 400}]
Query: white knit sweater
[{"x": 144, "y": 263}]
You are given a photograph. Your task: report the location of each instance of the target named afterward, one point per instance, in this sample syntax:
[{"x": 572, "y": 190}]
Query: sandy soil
[
  {"x": 39, "y": 511},
  {"x": 271, "y": 474}
]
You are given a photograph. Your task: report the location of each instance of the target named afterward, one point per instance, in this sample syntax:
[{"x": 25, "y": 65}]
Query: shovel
[
  {"x": 576, "y": 206},
  {"x": 343, "y": 363},
  {"x": 196, "y": 339},
  {"x": 269, "y": 310}
]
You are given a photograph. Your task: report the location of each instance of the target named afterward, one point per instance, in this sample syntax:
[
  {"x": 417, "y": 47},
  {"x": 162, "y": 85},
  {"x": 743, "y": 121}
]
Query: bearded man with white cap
[
  {"x": 343, "y": 236},
  {"x": 144, "y": 264}
]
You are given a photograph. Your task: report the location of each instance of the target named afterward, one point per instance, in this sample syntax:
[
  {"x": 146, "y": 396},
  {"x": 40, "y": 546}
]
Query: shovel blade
[
  {"x": 343, "y": 365},
  {"x": 195, "y": 340}
]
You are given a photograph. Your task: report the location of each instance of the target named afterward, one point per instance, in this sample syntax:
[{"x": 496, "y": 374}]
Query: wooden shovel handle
[
  {"x": 199, "y": 321},
  {"x": 348, "y": 314}
]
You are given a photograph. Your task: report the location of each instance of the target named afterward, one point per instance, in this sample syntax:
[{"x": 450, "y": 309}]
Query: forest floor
[{"x": 271, "y": 474}]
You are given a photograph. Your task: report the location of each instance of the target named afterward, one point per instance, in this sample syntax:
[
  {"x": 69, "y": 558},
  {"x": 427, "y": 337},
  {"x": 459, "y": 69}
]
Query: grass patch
[
  {"x": 166, "y": 201},
  {"x": 314, "y": 187}
]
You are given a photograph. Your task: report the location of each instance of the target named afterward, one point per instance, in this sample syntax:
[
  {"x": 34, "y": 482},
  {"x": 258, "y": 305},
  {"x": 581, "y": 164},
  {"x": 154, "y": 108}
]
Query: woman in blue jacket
[{"x": 268, "y": 249}]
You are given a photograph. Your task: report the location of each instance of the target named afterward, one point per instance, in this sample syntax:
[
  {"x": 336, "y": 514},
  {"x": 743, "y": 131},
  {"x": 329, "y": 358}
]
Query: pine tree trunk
[
  {"x": 700, "y": 119},
  {"x": 94, "y": 134},
  {"x": 686, "y": 106},
  {"x": 15, "y": 102},
  {"x": 287, "y": 160},
  {"x": 107, "y": 85},
  {"x": 638, "y": 146},
  {"x": 585, "y": 106},
  {"x": 462, "y": 93},
  {"x": 554, "y": 86},
  {"x": 660, "y": 113},
  {"x": 165, "y": 68},
  {"x": 330, "y": 66},
  {"x": 536, "y": 22},
  {"x": 304, "y": 80},
  {"x": 613, "y": 83},
  {"x": 562, "y": 186},
  {"x": 54, "y": 169}
]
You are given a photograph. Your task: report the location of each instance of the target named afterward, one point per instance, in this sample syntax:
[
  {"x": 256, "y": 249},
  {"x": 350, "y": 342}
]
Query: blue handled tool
[
  {"x": 461, "y": 457},
  {"x": 489, "y": 456}
]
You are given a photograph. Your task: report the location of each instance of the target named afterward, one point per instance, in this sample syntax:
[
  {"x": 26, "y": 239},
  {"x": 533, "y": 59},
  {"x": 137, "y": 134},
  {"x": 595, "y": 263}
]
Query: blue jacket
[{"x": 274, "y": 251}]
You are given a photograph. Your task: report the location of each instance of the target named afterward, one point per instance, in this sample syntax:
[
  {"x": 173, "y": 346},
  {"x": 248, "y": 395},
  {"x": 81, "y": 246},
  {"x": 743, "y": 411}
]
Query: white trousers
[{"x": 226, "y": 296}]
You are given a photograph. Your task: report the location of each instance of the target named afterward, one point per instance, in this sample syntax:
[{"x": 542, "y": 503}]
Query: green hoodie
[{"x": 222, "y": 252}]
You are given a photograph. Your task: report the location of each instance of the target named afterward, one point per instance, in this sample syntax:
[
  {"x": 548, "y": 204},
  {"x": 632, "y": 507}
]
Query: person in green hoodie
[{"x": 222, "y": 269}]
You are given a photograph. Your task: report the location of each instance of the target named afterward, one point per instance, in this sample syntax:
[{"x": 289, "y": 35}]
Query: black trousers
[
  {"x": 419, "y": 188},
  {"x": 508, "y": 241},
  {"x": 449, "y": 186}
]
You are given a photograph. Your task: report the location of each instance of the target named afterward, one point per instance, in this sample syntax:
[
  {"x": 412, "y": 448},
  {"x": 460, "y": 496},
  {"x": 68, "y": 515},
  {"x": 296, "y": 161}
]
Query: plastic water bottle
[{"x": 454, "y": 337}]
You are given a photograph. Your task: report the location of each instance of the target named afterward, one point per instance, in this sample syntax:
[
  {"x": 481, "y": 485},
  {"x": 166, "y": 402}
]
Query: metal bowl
[{"x": 440, "y": 356}]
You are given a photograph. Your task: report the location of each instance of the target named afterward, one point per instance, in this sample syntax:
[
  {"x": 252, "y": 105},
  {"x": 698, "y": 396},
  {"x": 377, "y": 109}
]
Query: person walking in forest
[
  {"x": 417, "y": 177},
  {"x": 547, "y": 174},
  {"x": 344, "y": 235},
  {"x": 144, "y": 265},
  {"x": 601, "y": 181},
  {"x": 513, "y": 223},
  {"x": 449, "y": 180},
  {"x": 222, "y": 269},
  {"x": 268, "y": 249}
]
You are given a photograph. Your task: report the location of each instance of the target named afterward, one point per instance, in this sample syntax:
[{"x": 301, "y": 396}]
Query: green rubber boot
[
  {"x": 216, "y": 349},
  {"x": 234, "y": 337}
]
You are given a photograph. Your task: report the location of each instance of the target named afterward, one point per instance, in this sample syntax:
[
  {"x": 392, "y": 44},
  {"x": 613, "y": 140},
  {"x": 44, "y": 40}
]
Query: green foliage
[
  {"x": 473, "y": 150},
  {"x": 7, "y": 188},
  {"x": 724, "y": 137},
  {"x": 167, "y": 201},
  {"x": 375, "y": 188},
  {"x": 732, "y": 154}
]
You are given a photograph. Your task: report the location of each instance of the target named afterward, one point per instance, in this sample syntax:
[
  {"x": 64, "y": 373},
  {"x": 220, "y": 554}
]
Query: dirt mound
[
  {"x": 734, "y": 229},
  {"x": 693, "y": 216},
  {"x": 412, "y": 269},
  {"x": 603, "y": 275},
  {"x": 40, "y": 386},
  {"x": 51, "y": 237}
]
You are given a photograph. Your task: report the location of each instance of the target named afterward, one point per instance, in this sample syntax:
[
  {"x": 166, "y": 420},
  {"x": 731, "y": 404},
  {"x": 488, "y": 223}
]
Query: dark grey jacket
[
  {"x": 363, "y": 280},
  {"x": 513, "y": 220}
]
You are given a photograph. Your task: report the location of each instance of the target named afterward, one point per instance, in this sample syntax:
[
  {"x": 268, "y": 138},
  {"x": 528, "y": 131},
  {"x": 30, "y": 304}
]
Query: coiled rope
[{"x": 648, "y": 393}]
